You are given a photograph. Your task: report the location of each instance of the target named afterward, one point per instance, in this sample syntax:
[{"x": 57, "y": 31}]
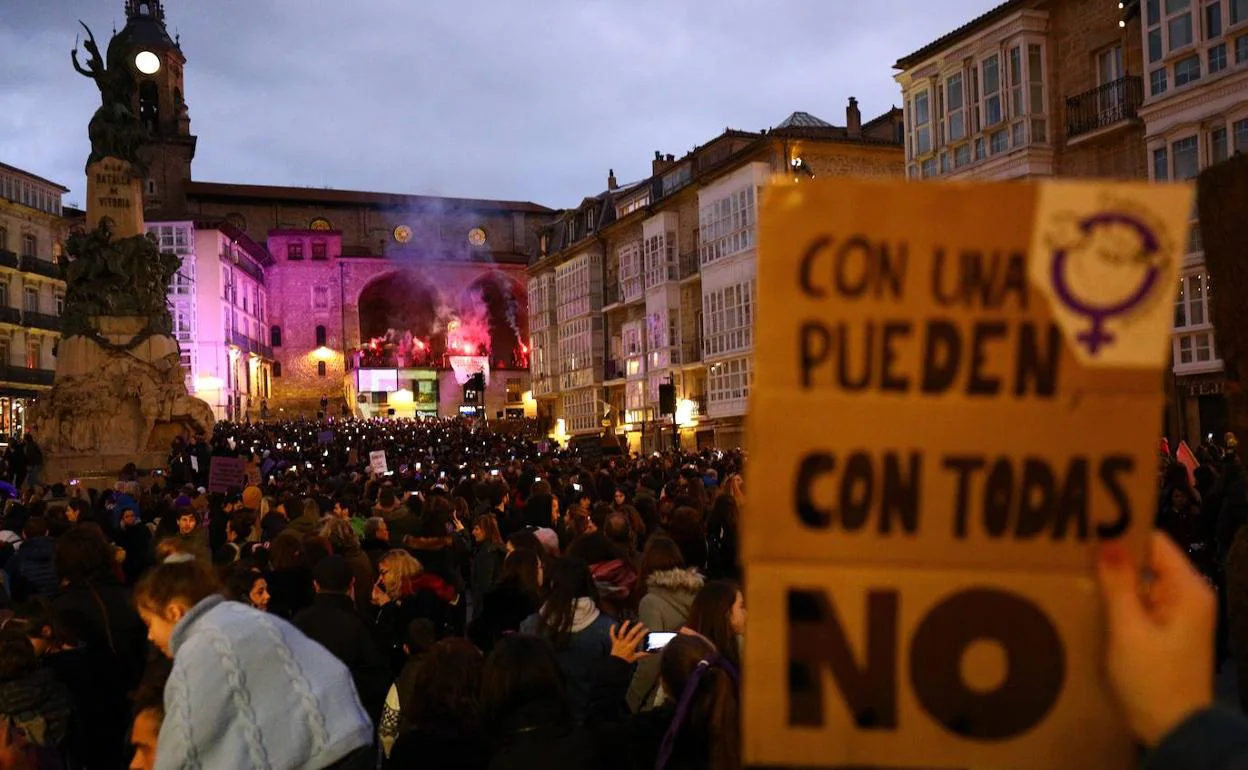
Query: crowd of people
[
  {"x": 486, "y": 601},
  {"x": 478, "y": 599}
]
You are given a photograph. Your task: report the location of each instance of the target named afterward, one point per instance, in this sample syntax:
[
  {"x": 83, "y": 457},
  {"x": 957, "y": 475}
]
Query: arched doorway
[
  {"x": 502, "y": 304},
  {"x": 396, "y": 304}
]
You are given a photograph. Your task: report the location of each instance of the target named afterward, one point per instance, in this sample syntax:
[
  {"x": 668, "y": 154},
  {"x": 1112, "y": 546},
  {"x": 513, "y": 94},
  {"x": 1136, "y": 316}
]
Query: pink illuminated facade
[
  {"x": 218, "y": 302},
  {"x": 295, "y": 301}
]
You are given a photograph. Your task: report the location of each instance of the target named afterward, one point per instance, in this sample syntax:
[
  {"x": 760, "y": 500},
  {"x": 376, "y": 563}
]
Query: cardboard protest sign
[
  {"x": 957, "y": 393},
  {"x": 226, "y": 473},
  {"x": 377, "y": 462}
]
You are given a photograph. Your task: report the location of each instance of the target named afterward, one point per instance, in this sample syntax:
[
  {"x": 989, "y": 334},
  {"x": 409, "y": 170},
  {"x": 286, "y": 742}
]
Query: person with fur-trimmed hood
[{"x": 667, "y": 589}]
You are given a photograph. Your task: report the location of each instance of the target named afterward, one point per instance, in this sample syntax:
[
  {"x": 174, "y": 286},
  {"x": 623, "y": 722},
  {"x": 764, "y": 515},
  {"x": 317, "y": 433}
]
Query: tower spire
[{"x": 145, "y": 9}]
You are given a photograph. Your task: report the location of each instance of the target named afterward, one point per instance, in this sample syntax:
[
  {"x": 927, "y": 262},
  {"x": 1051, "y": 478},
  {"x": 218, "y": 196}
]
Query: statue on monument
[
  {"x": 120, "y": 393},
  {"x": 116, "y": 277},
  {"x": 115, "y": 131}
]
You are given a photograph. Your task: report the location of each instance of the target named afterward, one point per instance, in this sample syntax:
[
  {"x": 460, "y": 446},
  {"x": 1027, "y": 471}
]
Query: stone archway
[
  {"x": 397, "y": 303},
  {"x": 505, "y": 311}
]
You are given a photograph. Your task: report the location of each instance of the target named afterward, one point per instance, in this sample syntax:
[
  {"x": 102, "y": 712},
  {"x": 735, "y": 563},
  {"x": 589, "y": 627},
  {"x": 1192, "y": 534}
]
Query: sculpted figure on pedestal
[{"x": 115, "y": 130}]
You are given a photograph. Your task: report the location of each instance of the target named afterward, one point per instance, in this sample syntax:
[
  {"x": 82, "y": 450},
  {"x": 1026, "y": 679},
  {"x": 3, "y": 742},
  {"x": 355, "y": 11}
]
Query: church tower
[{"x": 161, "y": 104}]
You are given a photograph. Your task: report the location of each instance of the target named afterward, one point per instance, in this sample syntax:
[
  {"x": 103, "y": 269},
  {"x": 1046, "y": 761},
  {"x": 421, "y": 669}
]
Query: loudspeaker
[{"x": 667, "y": 398}]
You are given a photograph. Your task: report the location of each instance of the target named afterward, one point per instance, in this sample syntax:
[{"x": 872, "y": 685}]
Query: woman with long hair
[
  {"x": 487, "y": 560},
  {"x": 669, "y": 589},
  {"x": 571, "y": 621},
  {"x": 441, "y": 724},
  {"x": 247, "y": 586},
  {"x": 528, "y": 721},
  {"x": 247, "y": 688},
  {"x": 96, "y": 610},
  {"x": 289, "y": 578},
  {"x": 404, "y": 592},
  {"x": 718, "y": 614},
  {"x": 699, "y": 724},
  {"x": 514, "y": 598},
  {"x": 721, "y": 537}
]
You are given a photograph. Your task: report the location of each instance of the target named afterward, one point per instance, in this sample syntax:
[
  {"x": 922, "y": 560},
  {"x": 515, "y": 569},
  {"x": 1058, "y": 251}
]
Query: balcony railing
[
  {"x": 41, "y": 320},
  {"x": 8, "y": 259},
  {"x": 24, "y": 376},
  {"x": 610, "y": 293},
  {"x": 614, "y": 370},
  {"x": 368, "y": 358},
  {"x": 42, "y": 267},
  {"x": 1104, "y": 106},
  {"x": 689, "y": 264},
  {"x": 11, "y": 315}
]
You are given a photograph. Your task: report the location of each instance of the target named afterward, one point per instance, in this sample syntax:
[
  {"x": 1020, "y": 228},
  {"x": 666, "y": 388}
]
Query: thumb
[{"x": 1119, "y": 581}]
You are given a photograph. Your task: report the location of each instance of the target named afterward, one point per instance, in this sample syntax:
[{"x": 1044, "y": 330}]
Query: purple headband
[{"x": 686, "y": 700}]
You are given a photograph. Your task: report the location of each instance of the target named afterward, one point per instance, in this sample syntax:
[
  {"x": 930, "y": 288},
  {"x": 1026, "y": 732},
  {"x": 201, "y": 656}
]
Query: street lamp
[{"x": 147, "y": 62}]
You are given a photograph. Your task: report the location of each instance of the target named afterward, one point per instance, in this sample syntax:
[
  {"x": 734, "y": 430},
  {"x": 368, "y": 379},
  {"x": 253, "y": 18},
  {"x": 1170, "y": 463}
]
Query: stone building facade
[
  {"x": 1195, "y": 113},
  {"x": 652, "y": 283},
  {"x": 1032, "y": 88},
  {"x": 33, "y": 229},
  {"x": 219, "y": 304},
  {"x": 1144, "y": 89},
  {"x": 325, "y": 260}
]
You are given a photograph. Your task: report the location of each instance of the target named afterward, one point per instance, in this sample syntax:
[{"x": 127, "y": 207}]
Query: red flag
[
  {"x": 1164, "y": 447},
  {"x": 1188, "y": 459}
]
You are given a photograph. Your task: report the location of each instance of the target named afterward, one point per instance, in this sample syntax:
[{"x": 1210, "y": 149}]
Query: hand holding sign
[
  {"x": 979, "y": 401},
  {"x": 1160, "y": 651}
]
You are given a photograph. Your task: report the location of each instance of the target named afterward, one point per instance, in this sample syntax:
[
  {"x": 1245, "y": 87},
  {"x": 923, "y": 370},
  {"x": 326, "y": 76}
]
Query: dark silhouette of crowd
[{"x": 487, "y": 600}]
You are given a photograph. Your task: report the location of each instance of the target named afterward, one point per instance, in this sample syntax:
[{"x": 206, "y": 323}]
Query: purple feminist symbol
[{"x": 1097, "y": 335}]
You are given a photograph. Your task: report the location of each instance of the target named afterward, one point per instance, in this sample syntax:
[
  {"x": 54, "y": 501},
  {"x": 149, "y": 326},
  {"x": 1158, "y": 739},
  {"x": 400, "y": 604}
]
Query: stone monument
[{"x": 120, "y": 394}]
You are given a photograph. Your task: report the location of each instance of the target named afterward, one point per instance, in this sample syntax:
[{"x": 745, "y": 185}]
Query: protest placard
[
  {"x": 377, "y": 462},
  {"x": 226, "y": 473},
  {"x": 957, "y": 394}
]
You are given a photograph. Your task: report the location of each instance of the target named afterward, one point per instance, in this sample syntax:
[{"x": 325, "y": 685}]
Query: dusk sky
[{"x": 484, "y": 98}]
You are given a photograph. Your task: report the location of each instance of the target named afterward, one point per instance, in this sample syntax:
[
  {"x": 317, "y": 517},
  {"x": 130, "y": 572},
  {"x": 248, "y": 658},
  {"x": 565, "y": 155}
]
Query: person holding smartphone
[{"x": 667, "y": 589}]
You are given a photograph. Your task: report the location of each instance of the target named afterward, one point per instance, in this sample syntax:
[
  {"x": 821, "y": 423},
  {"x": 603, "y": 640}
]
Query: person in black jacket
[
  {"x": 441, "y": 722},
  {"x": 332, "y": 621},
  {"x": 96, "y": 610},
  {"x": 32, "y": 570},
  {"x": 514, "y": 598},
  {"x": 528, "y": 719}
]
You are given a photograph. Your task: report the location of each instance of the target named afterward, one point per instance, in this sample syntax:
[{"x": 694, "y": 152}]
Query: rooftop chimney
[
  {"x": 660, "y": 162},
  {"x": 853, "y": 120},
  {"x": 611, "y": 183}
]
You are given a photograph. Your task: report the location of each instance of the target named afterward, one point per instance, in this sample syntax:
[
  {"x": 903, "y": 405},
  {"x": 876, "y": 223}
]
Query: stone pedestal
[
  {"x": 119, "y": 397},
  {"x": 114, "y": 191}
]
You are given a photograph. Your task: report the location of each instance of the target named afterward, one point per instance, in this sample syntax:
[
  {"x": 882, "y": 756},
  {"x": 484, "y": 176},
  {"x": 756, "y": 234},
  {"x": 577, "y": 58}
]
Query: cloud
[{"x": 485, "y": 98}]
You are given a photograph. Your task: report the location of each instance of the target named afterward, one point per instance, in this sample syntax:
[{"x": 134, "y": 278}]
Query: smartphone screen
[{"x": 657, "y": 640}]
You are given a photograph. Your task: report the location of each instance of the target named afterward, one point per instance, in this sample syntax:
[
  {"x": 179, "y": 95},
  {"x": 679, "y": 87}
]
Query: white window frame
[{"x": 1194, "y": 333}]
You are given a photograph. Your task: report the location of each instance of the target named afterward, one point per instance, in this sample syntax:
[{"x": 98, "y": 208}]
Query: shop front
[{"x": 1200, "y": 414}]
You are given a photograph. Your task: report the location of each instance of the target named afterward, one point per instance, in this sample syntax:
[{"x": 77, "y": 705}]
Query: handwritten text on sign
[{"x": 976, "y": 392}]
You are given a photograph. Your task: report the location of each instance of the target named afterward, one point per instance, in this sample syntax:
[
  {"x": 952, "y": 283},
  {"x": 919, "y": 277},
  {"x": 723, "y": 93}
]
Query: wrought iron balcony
[
  {"x": 8, "y": 259},
  {"x": 1106, "y": 105},
  {"x": 42, "y": 267},
  {"x": 41, "y": 320},
  {"x": 11, "y": 315}
]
